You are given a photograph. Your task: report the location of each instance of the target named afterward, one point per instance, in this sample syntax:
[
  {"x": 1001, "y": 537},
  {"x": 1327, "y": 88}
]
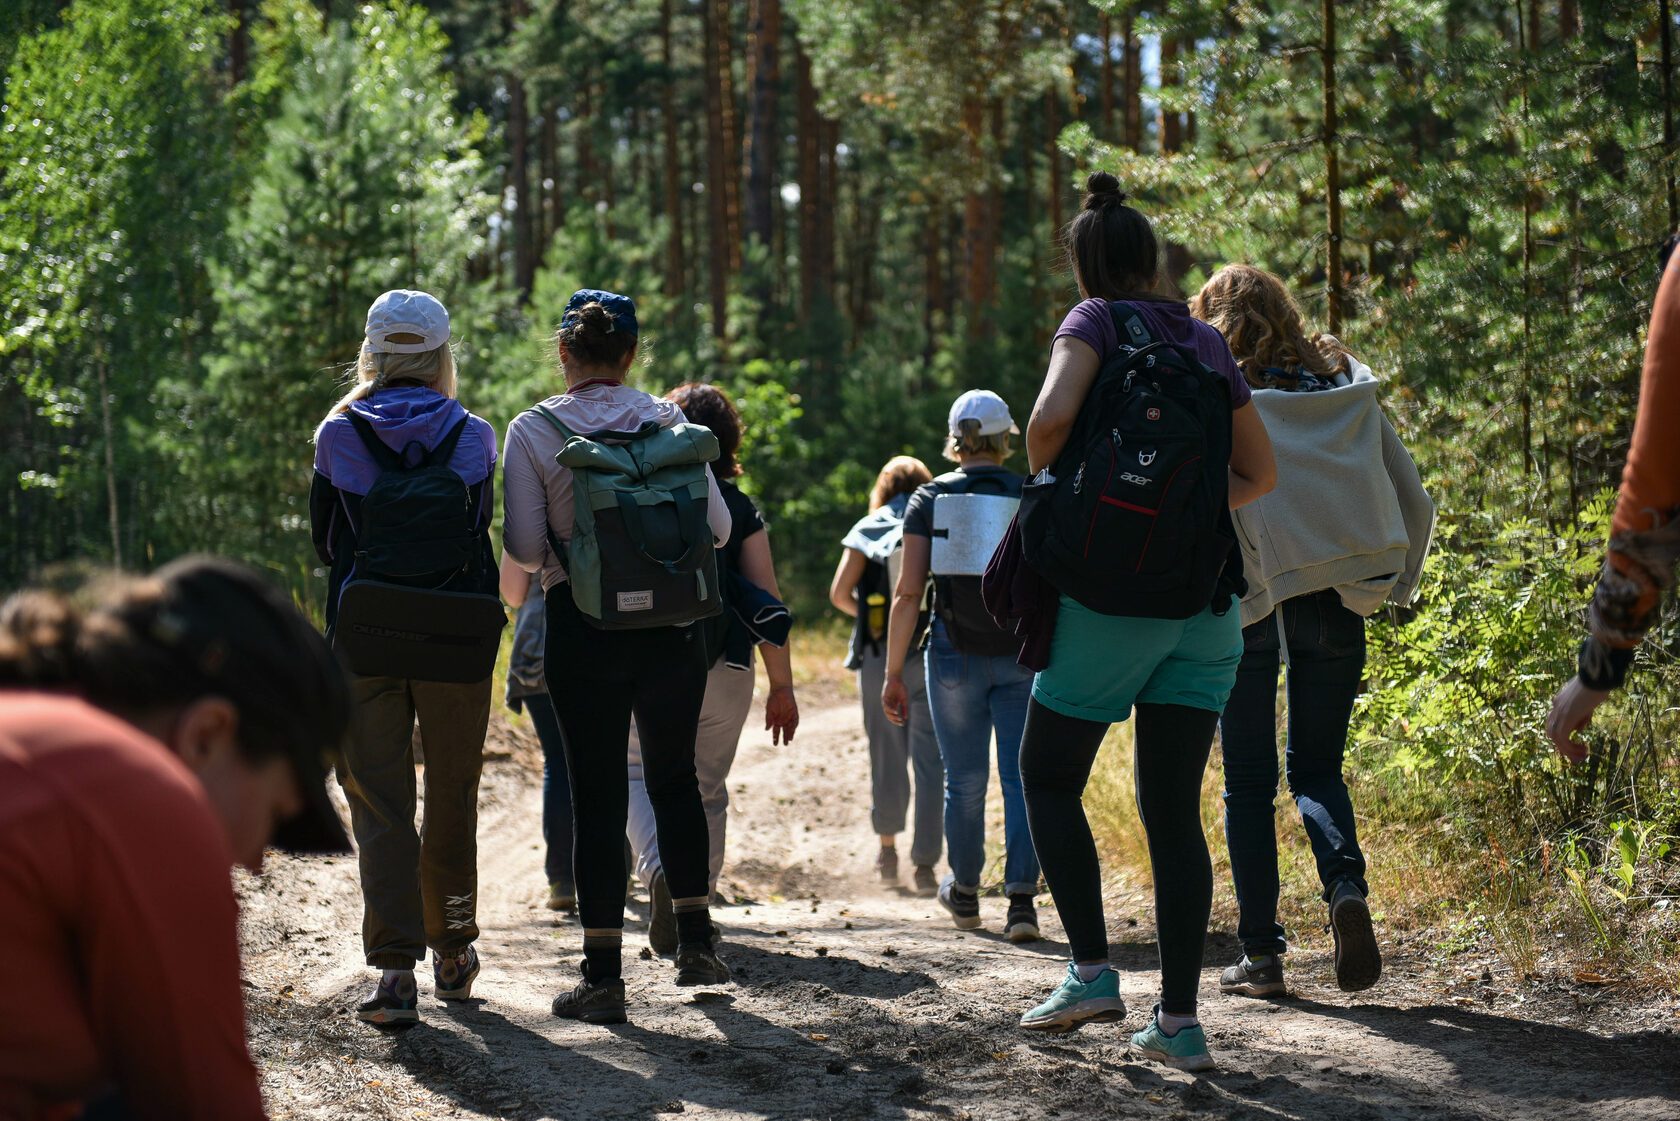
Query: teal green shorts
[{"x": 1102, "y": 665}]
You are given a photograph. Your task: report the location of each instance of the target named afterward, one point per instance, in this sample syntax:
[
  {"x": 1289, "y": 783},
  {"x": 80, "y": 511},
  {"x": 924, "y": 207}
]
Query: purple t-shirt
[{"x": 1091, "y": 324}]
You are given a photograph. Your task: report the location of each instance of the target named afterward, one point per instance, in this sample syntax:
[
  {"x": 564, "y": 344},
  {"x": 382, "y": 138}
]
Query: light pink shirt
[{"x": 537, "y": 491}]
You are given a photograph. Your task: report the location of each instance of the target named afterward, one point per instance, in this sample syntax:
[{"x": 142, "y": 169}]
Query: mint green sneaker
[
  {"x": 1077, "y": 1002},
  {"x": 1186, "y": 1050}
]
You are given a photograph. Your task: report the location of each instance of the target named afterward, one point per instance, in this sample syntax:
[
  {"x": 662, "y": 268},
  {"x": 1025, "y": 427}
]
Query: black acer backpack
[
  {"x": 1135, "y": 518},
  {"x": 421, "y": 601}
]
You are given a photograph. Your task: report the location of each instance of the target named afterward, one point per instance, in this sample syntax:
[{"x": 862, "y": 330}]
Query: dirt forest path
[{"x": 855, "y": 1002}]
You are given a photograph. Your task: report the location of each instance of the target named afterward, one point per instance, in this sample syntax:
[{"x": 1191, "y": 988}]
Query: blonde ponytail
[{"x": 375, "y": 369}]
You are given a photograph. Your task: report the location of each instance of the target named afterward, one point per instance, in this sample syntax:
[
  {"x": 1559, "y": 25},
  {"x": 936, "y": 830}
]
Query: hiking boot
[
  {"x": 593, "y": 1002},
  {"x": 452, "y": 976},
  {"x": 1076, "y": 1002},
  {"x": 396, "y": 1001},
  {"x": 886, "y": 864},
  {"x": 1022, "y": 922},
  {"x": 562, "y": 897},
  {"x": 1358, "y": 960},
  {"x": 1262, "y": 976},
  {"x": 927, "y": 883},
  {"x": 662, "y": 917},
  {"x": 963, "y": 905},
  {"x": 698, "y": 964},
  {"x": 1185, "y": 1049}
]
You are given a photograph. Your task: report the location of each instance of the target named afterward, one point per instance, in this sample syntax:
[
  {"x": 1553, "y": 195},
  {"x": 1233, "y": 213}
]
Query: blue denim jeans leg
[
  {"x": 1326, "y": 659},
  {"x": 971, "y": 697},
  {"x": 557, "y": 791}
]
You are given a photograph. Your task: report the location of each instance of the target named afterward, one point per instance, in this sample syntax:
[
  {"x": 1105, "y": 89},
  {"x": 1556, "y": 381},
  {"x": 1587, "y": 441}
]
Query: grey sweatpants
[
  {"x": 729, "y": 694},
  {"x": 418, "y": 889},
  {"x": 896, "y": 752}
]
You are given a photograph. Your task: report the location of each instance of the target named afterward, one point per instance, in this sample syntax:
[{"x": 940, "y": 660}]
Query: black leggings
[
  {"x": 596, "y": 680},
  {"x": 1171, "y": 755}
]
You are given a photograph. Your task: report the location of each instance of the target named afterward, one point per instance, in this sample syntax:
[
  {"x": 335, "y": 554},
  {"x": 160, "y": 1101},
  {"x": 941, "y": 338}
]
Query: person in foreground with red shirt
[
  {"x": 1644, "y": 533},
  {"x": 148, "y": 740}
]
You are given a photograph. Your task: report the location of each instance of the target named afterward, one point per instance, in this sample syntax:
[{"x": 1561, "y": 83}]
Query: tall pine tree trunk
[
  {"x": 1172, "y": 125},
  {"x": 1666, "y": 17},
  {"x": 519, "y": 171},
  {"x": 1106, "y": 32},
  {"x": 762, "y": 131},
  {"x": 976, "y": 219},
  {"x": 1053, "y": 160},
  {"x": 1332, "y": 176},
  {"x": 1569, "y": 20},
  {"x": 238, "y": 40},
  {"x": 674, "y": 267},
  {"x": 810, "y": 188},
  {"x": 548, "y": 163},
  {"x": 719, "y": 169},
  {"x": 1131, "y": 84},
  {"x": 729, "y": 122},
  {"x": 102, "y": 372}
]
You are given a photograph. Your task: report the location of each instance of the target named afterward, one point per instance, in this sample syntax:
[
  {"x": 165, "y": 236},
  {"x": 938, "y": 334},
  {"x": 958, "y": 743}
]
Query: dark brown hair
[
  {"x": 901, "y": 475},
  {"x": 594, "y": 338},
  {"x": 708, "y": 405},
  {"x": 1110, "y": 246},
  {"x": 197, "y": 627}
]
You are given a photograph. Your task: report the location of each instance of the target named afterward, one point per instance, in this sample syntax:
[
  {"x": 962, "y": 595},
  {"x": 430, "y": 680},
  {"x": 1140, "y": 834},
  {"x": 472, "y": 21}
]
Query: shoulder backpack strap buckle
[{"x": 1129, "y": 326}]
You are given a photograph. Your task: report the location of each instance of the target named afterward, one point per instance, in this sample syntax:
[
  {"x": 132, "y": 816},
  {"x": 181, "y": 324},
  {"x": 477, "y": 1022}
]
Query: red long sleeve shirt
[{"x": 120, "y": 924}]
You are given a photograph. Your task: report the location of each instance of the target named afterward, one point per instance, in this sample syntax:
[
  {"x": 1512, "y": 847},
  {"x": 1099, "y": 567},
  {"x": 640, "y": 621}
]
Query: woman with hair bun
[
  {"x": 152, "y": 731},
  {"x": 1174, "y": 673},
  {"x": 597, "y": 679}
]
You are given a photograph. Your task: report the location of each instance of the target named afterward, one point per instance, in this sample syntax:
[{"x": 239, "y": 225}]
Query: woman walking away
[
  {"x": 419, "y": 889},
  {"x": 860, "y": 589},
  {"x": 598, "y": 677},
  {"x": 729, "y": 680},
  {"x": 974, "y": 686},
  {"x": 173, "y": 725},
  {"x": 526, "y": 690},
  {"x": 1176, "y": 670},
  {"x": 1347, "y": 527}
]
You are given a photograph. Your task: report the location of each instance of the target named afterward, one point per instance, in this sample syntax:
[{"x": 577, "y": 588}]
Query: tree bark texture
[
  {"x": 719, "y": 170},
  {"x": 763, "y": 131},
  {"x": 1106, "y": 33},
  {"x": 1131, "y": 83},
  {"x": 1053, "y": 161},
  {"x": 1332, "y": 177},
  {"x": 1172, "y": 124},
  {"x": 674, "y": 267},
  {"x": 519, "y": 169}
]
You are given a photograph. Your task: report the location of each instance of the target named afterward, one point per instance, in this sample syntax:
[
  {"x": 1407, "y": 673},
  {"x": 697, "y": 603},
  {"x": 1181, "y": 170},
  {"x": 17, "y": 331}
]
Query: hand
[
  {"x": 781, "y": 714},
  {"x": 895, "y": 699},
  {"x": 1572, "y": 708}
]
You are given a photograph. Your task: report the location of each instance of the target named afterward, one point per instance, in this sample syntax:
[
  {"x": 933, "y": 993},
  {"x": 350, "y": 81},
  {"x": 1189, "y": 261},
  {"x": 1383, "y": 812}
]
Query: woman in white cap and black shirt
[
  {"x": 418, "y": 889},
  {"x": 598, "y": 678},
  {"x": 974, "y": 686}
]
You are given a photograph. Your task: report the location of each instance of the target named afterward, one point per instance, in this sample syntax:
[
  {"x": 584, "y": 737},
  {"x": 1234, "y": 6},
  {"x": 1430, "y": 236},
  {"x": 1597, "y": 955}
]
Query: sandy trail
[{"x": 852, "y": 1001}]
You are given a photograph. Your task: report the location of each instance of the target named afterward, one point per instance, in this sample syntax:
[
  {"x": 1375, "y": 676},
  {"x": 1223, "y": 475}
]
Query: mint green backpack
[{"x": 641, "y": 552}]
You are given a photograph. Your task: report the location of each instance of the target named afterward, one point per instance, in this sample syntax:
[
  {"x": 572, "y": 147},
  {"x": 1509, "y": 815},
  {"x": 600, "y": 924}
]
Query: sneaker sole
[
  {"x": 390, "y": 1016},
  {"x": 1204, "y": 1061},
  {"x": 596, "y": 1016},
  {"x": 464, "y": 992},
  {"x": 1102, "y": 1010},
  {"x": 963, "y": 922},
  {"x": 692, "y": 980},
  {"x": 1023, "y": 932},
  {"x": 1358, "y": 960},
  {"x": 1251, "y": 988}
]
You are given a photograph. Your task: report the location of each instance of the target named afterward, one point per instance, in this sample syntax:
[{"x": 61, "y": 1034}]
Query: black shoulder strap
[
  {"x": 387, "y": 459},
  {"x": 440, "y": 455},
  {"x": 1129, "y": 326}
]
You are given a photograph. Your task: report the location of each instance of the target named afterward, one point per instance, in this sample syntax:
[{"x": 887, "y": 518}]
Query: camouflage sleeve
[{"x": 1637, "y": 571}]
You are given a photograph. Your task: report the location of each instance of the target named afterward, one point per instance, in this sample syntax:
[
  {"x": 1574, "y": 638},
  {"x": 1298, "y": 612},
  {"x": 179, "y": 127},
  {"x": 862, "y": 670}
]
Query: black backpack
[
  {"x": 421, "y": 602},
  {"x": 1136, "y": 520}
]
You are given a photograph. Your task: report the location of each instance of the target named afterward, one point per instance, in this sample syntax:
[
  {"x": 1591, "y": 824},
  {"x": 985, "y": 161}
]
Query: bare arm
[
  {"x": 901, "y": 623},
  {"x": 515, "y": 582},
  {"x": 843, "y": 588},
  {"x": 781, "y": 711},
  {"x": 1253, "y": 467},
  {"x": 1073, "y": 367}
]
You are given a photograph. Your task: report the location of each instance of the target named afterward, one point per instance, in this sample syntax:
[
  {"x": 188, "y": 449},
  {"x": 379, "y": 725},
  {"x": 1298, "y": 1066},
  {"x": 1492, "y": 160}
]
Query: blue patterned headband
[{"x": 621, "y": 309}]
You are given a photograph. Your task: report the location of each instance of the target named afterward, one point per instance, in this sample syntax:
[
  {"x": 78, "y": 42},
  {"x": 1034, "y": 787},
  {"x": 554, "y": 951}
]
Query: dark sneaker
[
  {"x": 593, "y": 1002},
  {"x": 964, "y": 906},
  {"x": 562, "y": 897},
  {"x": 1358, "y": 960},
  {"x": 927, "y": 883},
  {"x": 1250, "y": 977},
  {"x": 1022, "y": 923},
  {"x": 698, "y": 964},
  {"x": 395, "y": 1001},
  {"x": 1077, "y": 1002},
  {"x": 886, "y": 864},
  {"x": 662, "y": 917},
  {"x": 452, "y": 977}
]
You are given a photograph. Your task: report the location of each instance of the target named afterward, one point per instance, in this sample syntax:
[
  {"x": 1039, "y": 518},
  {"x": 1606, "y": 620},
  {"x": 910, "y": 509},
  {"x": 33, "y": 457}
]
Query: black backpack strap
[
  {"x": 1129, "y": 325},
  {"x": 387, "y": 459},
  {"x": 445, "y": 450}
]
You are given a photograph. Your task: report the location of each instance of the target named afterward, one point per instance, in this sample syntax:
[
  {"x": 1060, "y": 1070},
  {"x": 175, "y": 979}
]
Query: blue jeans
[
  {"x": 971, "y": 696},
  {"x": 1325, "y": 644},
  {"x": 557, "y": 791}
]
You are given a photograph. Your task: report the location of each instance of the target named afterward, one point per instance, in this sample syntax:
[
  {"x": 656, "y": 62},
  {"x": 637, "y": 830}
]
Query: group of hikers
[{"x": 1210, "y": 493}]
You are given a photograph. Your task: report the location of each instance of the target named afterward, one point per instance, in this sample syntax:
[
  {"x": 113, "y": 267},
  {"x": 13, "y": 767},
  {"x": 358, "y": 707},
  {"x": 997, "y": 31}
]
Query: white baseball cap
[
  {"x": 984, "y": 406},
  {"x": 405, "y": 312}
]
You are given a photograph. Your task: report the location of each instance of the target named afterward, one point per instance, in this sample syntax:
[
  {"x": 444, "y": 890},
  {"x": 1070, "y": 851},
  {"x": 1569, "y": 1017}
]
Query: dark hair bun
[{"x": 1102, "y": 191}]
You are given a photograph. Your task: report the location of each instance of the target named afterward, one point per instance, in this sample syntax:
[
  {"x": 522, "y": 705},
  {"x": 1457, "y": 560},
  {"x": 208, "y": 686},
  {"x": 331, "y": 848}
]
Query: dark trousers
[
  {"x": 557, "y": 791},
  {"x": 596, "y": 680},
  {"x": 419, "y": 889},
  {"x": 1326, "y": 648},
  {"x": 1171, "y": 752}
]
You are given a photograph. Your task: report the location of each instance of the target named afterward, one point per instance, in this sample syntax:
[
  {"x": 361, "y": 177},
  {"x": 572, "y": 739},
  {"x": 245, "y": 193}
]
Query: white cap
[
  {"x": 984, "y": 406},
  {"x": 404, "y": 312}
]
